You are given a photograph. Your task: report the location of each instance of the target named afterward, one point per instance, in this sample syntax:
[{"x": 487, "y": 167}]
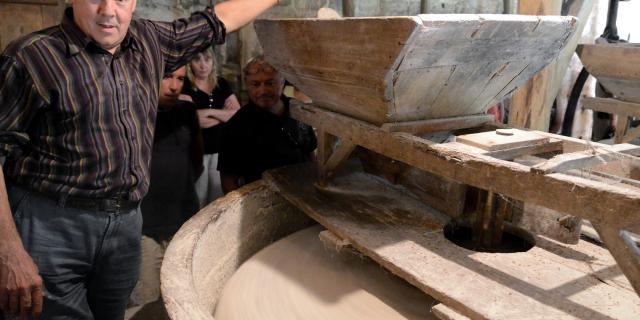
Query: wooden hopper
[
  {"x": 397, "y": 69},
  {"x": 617, "y": 67}
]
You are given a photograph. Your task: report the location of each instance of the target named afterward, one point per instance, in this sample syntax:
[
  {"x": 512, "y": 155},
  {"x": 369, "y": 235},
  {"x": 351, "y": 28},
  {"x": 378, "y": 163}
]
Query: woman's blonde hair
[{"x": 212, "y": 78}]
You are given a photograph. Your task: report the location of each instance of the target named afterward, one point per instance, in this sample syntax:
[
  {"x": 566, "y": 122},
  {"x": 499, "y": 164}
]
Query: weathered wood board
[
  {"x": 405, "y": 236},
  {"x": 397, "y": 69},
  {"x": 509, "y": 139},
  {"x": 598, "y": 202},
  {"x": 616, "y": 66}
]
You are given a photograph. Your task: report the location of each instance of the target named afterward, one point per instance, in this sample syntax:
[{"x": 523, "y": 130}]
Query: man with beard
[{"x": 262, "y": 135}]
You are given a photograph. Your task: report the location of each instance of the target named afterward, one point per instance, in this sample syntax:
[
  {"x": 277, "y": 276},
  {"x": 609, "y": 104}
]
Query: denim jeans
[{"x": 89, "y": 260}]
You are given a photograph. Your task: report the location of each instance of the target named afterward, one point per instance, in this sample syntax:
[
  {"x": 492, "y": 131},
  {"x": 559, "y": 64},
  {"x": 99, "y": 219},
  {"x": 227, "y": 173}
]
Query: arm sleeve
[
  {"x": 181, "y": 39},
  {"x": 224, "y": 87},
  {"x": 19, "y": 102}
]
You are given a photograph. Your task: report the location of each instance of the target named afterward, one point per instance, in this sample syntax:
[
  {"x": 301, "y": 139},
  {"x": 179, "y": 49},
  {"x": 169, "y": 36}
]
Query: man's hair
[{"x": 260, "y": 64}]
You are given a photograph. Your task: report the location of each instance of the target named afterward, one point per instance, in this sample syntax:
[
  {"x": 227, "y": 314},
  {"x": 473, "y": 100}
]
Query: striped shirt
[{"x": 76, "y": 120}]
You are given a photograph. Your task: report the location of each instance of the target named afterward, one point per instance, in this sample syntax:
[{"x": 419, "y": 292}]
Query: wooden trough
[
  {"x": 399, "y": 69},
  {"x": 617, "y": 68}
]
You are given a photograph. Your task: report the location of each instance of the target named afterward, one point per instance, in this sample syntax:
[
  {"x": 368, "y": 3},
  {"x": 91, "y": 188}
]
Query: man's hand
[
  {"x": 207, "y": 119},
  {"x": 20, "y": 283}
]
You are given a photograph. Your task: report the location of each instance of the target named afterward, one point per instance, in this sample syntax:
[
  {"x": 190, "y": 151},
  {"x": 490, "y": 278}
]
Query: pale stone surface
[{"x": 298, "y": 278}]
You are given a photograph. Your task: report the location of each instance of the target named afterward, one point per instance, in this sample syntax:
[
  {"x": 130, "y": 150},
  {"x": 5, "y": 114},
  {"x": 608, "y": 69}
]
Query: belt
[
  {"x": 105, "y": 204},
  {"x": 112, "y": 204}
]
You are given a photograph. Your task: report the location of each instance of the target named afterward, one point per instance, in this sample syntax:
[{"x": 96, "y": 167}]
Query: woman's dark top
[{"x": 215, "y": 100}]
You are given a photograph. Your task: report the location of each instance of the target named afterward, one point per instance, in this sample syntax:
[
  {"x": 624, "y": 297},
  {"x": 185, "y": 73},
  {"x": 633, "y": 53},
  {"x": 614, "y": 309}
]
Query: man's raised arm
[{"x": 236, "y": 13}]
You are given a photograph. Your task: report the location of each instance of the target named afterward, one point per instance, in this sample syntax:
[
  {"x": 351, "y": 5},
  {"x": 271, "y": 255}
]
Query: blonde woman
[{"x": 216, "y": 104}]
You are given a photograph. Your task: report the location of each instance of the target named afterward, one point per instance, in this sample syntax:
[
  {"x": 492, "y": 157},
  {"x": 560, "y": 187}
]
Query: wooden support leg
[
  {"x": 500, "y": 217},
  {"x": 624, "y": 251},
  {"x": 492, "y": 211},
  {"x": 328, "y": 158},
  {"x": 621, "y": 128},
  {"x": 325, "y": 148},
  {"x": 632, "y": 134}
]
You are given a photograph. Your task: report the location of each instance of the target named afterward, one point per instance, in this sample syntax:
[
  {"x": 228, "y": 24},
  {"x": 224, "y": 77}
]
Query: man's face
[
  {"x": 264, "y": 87},
  {"x": 170, "y": 87},
  {"x": 104, "y": 21}
]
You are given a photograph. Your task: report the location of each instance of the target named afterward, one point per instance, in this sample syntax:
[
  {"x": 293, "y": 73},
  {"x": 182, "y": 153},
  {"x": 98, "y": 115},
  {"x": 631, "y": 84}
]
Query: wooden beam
[
  {"x": 530, "y": 106},
  {"x": 613, "y": 106},
  {"x": 621, "y": 128},
  {"x": 405, "y": 236},
  {"x": 443, "y": 312},
  {"x": 630, "y": 135},
  {"x": 436, "y": 125},
  {"x": 325, "y": 145},
  {"x": 510, "y": 154},
  {"x": 587, "y": 159},
  {"x": 616, "y": 66},
  {"x": 339, "y": 155},
  {"x": 601, "y": 203},
  {"x": 623, "y": 252}
]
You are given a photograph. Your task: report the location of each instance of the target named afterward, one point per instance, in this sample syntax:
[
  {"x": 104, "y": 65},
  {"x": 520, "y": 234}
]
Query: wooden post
[
  {"x": 348, "y": 8},
  {"x": 529, "y": 107}
]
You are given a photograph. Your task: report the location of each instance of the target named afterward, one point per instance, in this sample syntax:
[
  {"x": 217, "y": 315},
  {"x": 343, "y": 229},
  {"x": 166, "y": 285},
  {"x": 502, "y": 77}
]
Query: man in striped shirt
[{"x": 77, "y": 110}]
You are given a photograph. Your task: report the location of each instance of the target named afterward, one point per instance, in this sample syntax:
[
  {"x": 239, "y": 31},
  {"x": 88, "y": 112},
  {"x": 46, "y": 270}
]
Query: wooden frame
[{"x": 610, "y": 208}]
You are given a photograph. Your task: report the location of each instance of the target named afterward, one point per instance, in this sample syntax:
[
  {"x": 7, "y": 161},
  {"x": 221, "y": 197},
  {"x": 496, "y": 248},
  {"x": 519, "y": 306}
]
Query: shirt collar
[{"x": 77, "y": 39}]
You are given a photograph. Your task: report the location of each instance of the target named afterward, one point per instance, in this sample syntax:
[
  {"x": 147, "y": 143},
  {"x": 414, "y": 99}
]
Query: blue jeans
[{"x": 89, "y": 260}]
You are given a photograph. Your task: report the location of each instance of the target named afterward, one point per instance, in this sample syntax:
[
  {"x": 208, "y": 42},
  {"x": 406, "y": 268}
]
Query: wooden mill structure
[{"x": 407, "y": 96}]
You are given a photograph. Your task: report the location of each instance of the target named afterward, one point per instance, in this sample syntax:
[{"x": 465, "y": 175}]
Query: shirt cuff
[{"x": 217, "y": 26}]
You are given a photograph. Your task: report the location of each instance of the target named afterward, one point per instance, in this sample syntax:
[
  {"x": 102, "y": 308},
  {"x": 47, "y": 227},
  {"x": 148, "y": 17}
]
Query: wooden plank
[
  {"x": 17, "y": 20},
  {"x": 470, "y": 74},
  {"x": 617, "y": 67},
  {"x": 397, "y": 69},
  {"x": 609, "y": 205},
  {"x": 621, "y": 128},
  {"x": 403, "y": 235},
  {"x": 436, "y": 125},
  {"x": 613, "y": 106},
  {"x": 627, "y": 259},
  {"x": 587, "y": 159},
  {"x": 502, "y": 139},
  {"x": 530, "y": 106},
  {"x": 341, "y": 72},
  {"x": 630, "y": 135},
  {"x": 440, "y": 193},
  {"x": 509, "y": 154},
  {"x": 443, "y": 312},
  {"x": 339, "y": 155}
]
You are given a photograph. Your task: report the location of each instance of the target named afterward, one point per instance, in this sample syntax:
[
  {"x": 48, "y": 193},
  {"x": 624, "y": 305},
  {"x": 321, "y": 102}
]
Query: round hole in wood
[{"x": 513, "y": 239}]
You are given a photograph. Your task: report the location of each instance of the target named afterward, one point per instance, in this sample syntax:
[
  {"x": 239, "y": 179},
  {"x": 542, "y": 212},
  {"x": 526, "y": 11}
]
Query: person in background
[
  {"x": 216, "y": 104},
  {"x": 171, "y": 200},
  {"x": 262, "y": 135},
  {"x": 77, "y": 111}
]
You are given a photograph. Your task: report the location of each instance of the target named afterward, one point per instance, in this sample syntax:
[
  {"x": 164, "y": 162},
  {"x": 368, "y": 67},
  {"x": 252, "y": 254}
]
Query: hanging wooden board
[
  {"x": 616, "y": 66},
  {"x": 397, "y": 69}
]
